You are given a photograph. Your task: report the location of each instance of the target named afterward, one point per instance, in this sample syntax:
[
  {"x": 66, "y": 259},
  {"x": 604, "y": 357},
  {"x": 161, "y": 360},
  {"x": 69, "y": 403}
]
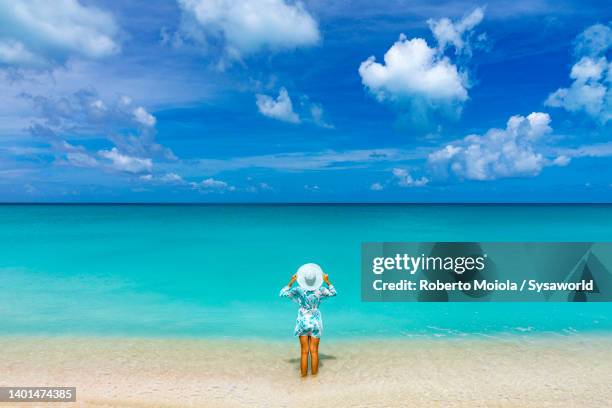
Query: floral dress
[{"x": 309, "y": 322}]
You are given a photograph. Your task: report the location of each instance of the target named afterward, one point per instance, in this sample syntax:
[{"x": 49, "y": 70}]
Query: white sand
[{"x": 529, "y": 372}]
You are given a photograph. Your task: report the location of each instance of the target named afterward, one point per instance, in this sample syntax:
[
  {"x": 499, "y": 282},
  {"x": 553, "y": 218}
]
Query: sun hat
[{"x": 310, "y": 276}]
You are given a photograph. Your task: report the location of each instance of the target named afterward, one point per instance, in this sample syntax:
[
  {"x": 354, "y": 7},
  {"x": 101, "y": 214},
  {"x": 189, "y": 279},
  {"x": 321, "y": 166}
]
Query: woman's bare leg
[
  {"x": 314, "y": 355},
  {"x": 304, "y": 355}
]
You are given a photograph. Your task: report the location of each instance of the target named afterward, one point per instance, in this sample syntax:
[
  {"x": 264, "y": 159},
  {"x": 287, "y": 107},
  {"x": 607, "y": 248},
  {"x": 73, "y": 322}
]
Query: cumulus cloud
[
  {"x": 597, "y": 150},
  {"x": 312, "y": 187},
  {"x": 143, "y": 117},
  {"x": 81, "y": 159},
  {"x": 317, "y": 114},
  {"x": 14, "y": 53},
  {"x": 249, "y": 26},
  {"x": 419, "y": 78},
  {"x": 76, "y": 156},
  {"x": 400, "y": 177},
  {"x": 172, "y": 178},
  {"x": 126, "y": 163},
  {"x": 167, "y": 178},
  {"x": 591, "y": 89},
  {"x": 413, "y": 69},
  {"x": 36, "y": 33},
  {"x": 458, "y": 33},
  {"x": 404, "y": 179},
  {"x": 259, "y": 187},
  {"x": 86, "y": 111},
  {"x": 280, "y": 108},
  {"x": 376, "y": 187},
  {"x": 85, "y": 114},
  {"x": 212, "y": 184},
  {"x": 593, "y": 41},
  {"x": 511, "y": 152}
]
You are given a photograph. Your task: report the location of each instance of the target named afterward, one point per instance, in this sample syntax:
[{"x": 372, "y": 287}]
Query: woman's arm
[
  {"x": 330, "y": 291},
  {"x": 286, "y": 290}
]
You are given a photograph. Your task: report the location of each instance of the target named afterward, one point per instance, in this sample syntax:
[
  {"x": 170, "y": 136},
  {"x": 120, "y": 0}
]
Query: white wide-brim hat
[{"x": 310, "y": 276}]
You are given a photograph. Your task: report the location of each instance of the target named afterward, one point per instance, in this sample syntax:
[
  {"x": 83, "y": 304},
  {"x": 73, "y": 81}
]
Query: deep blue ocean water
[{"x": 216, "y": 270}]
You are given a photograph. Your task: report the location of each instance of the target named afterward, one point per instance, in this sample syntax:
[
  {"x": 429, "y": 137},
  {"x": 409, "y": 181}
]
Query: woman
[{"x": 309, "y": 326}]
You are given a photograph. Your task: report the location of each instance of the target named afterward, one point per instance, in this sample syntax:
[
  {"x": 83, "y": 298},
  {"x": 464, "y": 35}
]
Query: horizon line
[{"x": 296, "y": 203}]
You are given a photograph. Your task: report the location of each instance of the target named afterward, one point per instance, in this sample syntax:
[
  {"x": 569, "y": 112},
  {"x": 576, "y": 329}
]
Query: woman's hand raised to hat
[{"x": 326, "y": 279}]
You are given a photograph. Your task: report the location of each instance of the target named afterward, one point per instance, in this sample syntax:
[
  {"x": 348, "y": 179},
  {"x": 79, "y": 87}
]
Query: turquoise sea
[{"x": 216, "y": 270}]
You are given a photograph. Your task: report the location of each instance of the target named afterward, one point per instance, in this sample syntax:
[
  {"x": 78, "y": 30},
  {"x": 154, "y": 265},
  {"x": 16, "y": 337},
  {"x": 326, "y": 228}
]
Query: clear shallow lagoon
[{"x": 215, "y": 270}]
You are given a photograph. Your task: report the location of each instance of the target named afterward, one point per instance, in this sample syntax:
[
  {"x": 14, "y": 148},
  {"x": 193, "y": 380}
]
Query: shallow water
[{"x": 215, "y": 270}]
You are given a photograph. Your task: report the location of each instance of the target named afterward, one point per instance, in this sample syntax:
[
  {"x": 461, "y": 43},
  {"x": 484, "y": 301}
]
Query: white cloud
[
  {"x": 412, "y": 69},
  {"x": 561, "y": 161},
  {"x": 510, "y": 152},
  {"x": 85, "y": 109},
  {"x": 126, "y": 163},
  {"x": 212, "y": 184},
  {"x": 280, "y": 108},
  {"x": 316, "y": 112},
  {"x": 259, "y": 187},
  {"x": 15, "y": 53},
  {"x": 447, "y": 32},
  {"x": 143, "y": 117},
  {"x": 404, "y": 179},
  {"x": 37, "y": 33},
  {"x": 81, "y": 159},
  {"x": 77, "y": 155},
  {"x": 591, "y": 89},
  {"x": 593, "y": 41},
  {"x": 417, "y": 78},
  {"x": 594, "y": 150},
  {"x": 125, "y": 100},
  {"x": 250, "y": 26},
  {"x": 167, "y": 178},
  {"x": 85, "y": 114},
  {"x": 376, "y": 187},
  {"x": 99, "y": 105},
  {"x": 312, "y": 187},
  {"x": 304, "y": 161},
  {"x": 172, "y": 178}
]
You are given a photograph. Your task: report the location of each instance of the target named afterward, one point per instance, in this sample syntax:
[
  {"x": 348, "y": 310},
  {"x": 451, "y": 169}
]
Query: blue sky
[{"x": 275, "y": 100}]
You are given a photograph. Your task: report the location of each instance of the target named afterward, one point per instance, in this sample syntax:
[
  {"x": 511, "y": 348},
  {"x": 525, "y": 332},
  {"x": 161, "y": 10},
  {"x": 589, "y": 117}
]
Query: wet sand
[{"x": 559, "y": 371}]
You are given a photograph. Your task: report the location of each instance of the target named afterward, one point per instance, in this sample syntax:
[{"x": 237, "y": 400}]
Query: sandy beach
[{"x": 560, "y": 371}]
